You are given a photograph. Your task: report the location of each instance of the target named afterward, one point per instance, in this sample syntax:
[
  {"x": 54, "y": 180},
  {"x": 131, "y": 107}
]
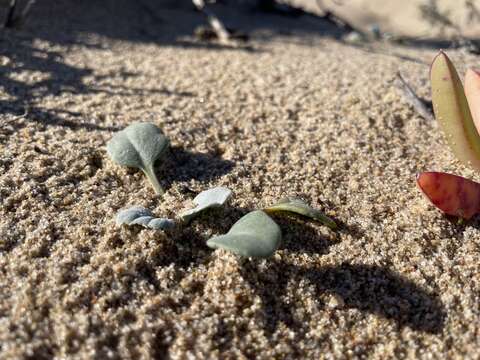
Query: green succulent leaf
[
  {"x": 211, "y": 198},
  {"x": 472, "y": 93},
  {"x": 452, "y": 112},
  {"x": 137, "y": 215},
  {"x": 139, "y": 145},
  {"x": 254, "y": 235},
  {"x": 300, "y": 207}
]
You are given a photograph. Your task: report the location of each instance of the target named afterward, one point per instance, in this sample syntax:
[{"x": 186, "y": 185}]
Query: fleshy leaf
[
  {"x": 299, "y": 207},
  {"x": 126, "y": 216},
  {"x": 472, "y": 92},
  {"x": 137, "y": 215},
  {"x": 139, "y": 145},
  {"x": 254, "y": 235},
  {"x": 161, "y": 224},
  {"x": 452, "y": 194},
  {"x": 142, "y": 220},
  {"x": 211, "y": 198},
  {"x": 452, "y": 111}
]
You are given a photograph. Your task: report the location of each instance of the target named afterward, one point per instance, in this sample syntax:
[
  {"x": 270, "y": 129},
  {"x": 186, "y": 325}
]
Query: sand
[{"x": 299, "y": 114}]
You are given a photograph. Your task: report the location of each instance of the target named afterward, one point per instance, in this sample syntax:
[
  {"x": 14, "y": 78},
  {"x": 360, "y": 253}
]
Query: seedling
[
  {"x": 257, "y": 235},
  {"x": 139, "y": 145},
  {"x": 453, "y": 109},
  {"x": 254, "y": 235}
]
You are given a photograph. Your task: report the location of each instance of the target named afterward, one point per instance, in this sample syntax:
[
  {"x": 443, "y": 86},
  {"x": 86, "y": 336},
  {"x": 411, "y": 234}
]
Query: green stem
[{"x": 150, "y": 173}]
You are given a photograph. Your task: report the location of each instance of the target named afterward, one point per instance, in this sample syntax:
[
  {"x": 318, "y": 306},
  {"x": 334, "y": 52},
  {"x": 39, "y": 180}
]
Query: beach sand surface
[{"x": 296, "y": 113}]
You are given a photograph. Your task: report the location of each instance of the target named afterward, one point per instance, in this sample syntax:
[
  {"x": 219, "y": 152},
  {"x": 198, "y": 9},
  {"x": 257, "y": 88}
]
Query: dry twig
[
  {"x": 217, "y": 26},
  {"x": 423, "y": 107}
]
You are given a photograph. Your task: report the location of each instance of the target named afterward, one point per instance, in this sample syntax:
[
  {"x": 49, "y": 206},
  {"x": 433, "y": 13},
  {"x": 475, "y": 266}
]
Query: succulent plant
[
  {"x": 139, "y": 145},
  {"x": 453, "y": 109},
  {"x": 453, "y": 113}
]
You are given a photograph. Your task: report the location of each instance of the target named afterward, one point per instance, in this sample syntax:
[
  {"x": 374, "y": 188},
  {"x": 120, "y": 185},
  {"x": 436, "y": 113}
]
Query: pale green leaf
[
  {"x": 211, "y": 198},
  {"x": 137, "y": 215},
  {"x": 300, "y": 207},
  {"x": 139, "y": 145},
  {"x": 254, "y": 235}
]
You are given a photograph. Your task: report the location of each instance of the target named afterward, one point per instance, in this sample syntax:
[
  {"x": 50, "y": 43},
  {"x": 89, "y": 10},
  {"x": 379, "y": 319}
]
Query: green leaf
[
  {"x": 452, "y": 112},
  {"x": 472, "y": 93},
  {"x": 211, "y": 198},
  {"x": 298, "y": 206},
  {"x": 139, "y": 145},
  {"x": 254, "y": 235},
  {"x": 137, "y": 215}
]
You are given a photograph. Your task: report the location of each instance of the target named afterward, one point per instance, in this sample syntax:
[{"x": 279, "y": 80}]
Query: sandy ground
[{"x": 298, "y": 114}]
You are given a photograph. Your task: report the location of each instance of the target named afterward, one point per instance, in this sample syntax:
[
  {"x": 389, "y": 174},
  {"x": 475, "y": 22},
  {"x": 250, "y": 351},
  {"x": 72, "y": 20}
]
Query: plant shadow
[
  {"x": 183, "y": 165},
  {"x": 372, "y": 289}
]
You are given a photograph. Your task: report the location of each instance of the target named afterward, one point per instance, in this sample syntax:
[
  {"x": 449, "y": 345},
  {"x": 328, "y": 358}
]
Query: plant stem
[{"x": 150, "y": 173}]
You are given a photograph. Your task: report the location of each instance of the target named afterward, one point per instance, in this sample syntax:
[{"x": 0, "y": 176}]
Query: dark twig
[
  {"x": 10, "y": 20},
  {"x": 423, "y": 107},
  {"x": 14, "y": 21}
]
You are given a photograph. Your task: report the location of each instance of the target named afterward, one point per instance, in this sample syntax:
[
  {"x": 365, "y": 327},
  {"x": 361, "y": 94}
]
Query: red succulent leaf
[{"x": 452, "y": 194}]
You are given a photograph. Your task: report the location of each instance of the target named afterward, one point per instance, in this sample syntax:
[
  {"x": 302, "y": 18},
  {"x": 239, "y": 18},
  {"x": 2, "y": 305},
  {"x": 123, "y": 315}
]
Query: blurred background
[{"x": 411, "y": 18}]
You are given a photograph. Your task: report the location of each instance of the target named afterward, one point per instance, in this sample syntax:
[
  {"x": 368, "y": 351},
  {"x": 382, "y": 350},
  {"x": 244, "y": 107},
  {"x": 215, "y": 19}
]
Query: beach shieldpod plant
[
  {"x": 254, "y": 235},
  {"x": 139, "y": 145}
]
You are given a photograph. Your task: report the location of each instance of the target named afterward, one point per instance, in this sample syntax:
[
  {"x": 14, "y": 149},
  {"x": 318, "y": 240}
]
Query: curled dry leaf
[
  {"x": 254, "y": 235},
  {"x": 300, "y": 207},
  {"x": 211, "y": 198},
  {"x": 139, "y": 145},
  {"x": 452, "y": 112},
  {"x": 137, "y": 215},
  {"x": 452, "y": 194}
]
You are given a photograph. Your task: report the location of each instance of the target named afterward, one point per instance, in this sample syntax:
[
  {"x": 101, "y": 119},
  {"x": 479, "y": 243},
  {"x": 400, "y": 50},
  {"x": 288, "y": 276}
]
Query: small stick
[
  {"x": 423, "y": 107},
  {"x": 217, "y": 26},
  {"x": 26, "y": 9},
  {"x": 18, "y": 117}
]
